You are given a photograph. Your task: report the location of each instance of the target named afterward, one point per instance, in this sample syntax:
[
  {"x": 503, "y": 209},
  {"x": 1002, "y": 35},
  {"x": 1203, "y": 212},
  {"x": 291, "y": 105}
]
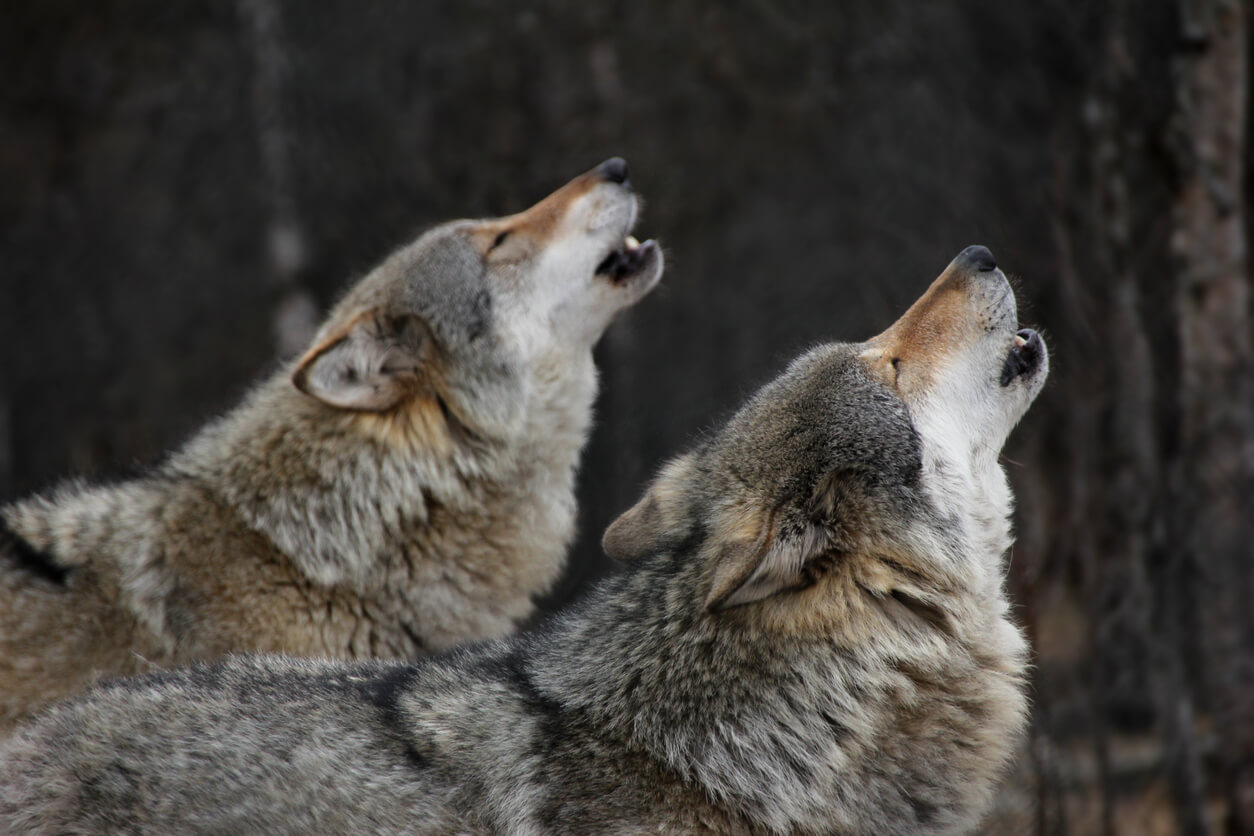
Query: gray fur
[
  {"x": 405, "y": 486},
  {"x": 867, "y": 680}
]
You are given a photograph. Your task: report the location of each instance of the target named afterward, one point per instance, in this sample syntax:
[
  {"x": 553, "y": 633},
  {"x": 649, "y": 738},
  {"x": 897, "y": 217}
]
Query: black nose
[
  {"x": 977, "y": 258},
  {"x": 614, "y": 170}
]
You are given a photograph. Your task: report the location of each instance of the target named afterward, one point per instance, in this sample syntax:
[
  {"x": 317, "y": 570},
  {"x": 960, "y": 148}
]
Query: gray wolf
[
  {"x": 811, "y": 637},
  {"x": 405, "y": 485}
]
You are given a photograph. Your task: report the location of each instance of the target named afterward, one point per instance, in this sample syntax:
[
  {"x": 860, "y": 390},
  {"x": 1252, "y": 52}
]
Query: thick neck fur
[
  {"x": 396, "y": 511},
  {"x": 405, "y": 516},
  {"x": 880, "y": 716}
]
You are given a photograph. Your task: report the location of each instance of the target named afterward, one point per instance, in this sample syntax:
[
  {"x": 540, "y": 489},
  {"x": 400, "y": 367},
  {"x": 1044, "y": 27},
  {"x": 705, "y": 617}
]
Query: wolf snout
[
  {"x": 976, "y": 258},
  {"x": 614, "y": 170}
]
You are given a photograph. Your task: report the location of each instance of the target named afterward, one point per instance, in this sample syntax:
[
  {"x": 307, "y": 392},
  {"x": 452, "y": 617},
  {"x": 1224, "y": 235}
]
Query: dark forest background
[{"x": 185, "y": 186}]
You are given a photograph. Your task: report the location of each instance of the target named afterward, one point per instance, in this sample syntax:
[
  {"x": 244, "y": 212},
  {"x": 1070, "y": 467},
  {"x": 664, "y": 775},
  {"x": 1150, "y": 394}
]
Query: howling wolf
[{"x": 404, "y": 486}]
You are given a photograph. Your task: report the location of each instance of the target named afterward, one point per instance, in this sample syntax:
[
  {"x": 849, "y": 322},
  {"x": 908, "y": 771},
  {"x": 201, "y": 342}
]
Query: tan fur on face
[
  {"x": 538, "y": 224},
  {"x": 942, "y": 321}
]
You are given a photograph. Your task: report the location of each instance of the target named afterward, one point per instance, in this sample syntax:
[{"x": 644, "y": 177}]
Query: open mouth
[
  {"x": 627, "y": 260},
  {"x": 1024, "y": 357}
]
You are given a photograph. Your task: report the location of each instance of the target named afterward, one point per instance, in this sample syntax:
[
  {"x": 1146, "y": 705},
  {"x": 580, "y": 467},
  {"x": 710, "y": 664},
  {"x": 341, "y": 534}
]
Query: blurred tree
[
  {"x": 1214, "y": 487},
  {"x": 1157, "y": 432}
]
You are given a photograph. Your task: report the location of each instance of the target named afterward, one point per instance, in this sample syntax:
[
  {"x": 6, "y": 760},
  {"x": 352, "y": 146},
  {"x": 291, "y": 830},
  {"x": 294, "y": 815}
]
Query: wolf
[
  {"x": 810, "y": 635},
  {"x": 405, "y": 485}
]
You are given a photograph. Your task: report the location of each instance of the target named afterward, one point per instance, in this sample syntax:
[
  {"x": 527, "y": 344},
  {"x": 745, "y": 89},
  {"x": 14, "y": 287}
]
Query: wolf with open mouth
[
  {"x": 812, "y": 636},
  {"x": 406, "y": 485}
]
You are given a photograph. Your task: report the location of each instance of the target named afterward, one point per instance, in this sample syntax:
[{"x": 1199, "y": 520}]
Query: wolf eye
[{"x": 500, "y": 239}]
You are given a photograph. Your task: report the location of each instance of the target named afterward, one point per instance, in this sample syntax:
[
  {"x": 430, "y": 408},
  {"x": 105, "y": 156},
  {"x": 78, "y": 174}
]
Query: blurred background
[{"x": 187, "y": 186}]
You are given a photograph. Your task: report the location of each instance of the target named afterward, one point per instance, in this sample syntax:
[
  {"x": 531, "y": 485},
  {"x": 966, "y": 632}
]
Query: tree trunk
[{"x": 1216, "y": 448}]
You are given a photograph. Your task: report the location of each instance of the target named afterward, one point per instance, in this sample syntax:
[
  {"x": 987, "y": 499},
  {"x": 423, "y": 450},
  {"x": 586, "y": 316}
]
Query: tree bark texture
[
  {"x": 1215, "y": 483},
  {"x": 1146, "y": 728}
]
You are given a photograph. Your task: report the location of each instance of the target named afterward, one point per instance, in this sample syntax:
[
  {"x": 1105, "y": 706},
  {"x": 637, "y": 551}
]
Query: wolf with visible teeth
[
  {"x": 404, "y": 486},
  {"x": 812, "y": 636}
]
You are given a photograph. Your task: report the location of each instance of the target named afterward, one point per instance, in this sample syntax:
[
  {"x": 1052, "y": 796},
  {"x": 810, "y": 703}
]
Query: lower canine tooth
[
  {"x": 631, "y": 242},
  {"x": 1020, "y": 342}
]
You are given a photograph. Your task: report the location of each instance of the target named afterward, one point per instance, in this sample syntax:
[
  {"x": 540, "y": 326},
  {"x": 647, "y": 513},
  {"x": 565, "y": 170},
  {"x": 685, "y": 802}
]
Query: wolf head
[
  {"x": 439, "y": 414},
  {"x": 865, "y": 469},
  {"x": 458, "y": 319}
]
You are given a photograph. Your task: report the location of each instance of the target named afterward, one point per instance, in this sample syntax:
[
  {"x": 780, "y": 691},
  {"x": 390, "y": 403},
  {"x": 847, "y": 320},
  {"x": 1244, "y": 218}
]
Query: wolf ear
[
  {"x": 370, "y": 364},
  {"x": 748, "y": 571},
  {"x": 757, "y": 559},
  {"x": 657, "y": 518}
]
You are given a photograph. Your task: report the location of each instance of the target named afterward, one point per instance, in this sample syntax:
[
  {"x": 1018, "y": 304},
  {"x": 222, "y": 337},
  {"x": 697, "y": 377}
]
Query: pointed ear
[
  {"x": 759, "y": 557},
  {"x": 748, "y": 571},
  {"x": 653, "y": 521},
  {"x": 371, "y": 363}
]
